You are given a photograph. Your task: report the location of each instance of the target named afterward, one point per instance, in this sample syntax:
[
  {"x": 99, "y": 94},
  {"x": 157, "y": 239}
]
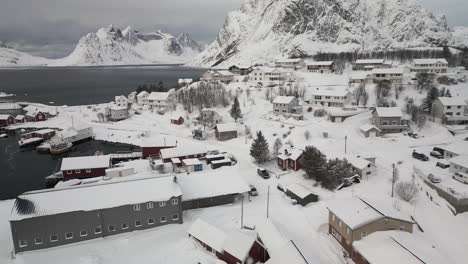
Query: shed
[
  {"x": 215, "y": 164},
  {"x": 301, "y": 194},
  {"x": 177, "y": 120},
  {"x": 210, "y": 158},
  {"x": 370, "y": 130},
  {"x": 226, "y": 131},
  {"x": 192, "y": 165}
]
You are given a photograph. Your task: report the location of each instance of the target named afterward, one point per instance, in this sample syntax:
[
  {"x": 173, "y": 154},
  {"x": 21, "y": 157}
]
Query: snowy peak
[
  {"x": 186, "y": 41},
  {"x": 269, "y": 29}
]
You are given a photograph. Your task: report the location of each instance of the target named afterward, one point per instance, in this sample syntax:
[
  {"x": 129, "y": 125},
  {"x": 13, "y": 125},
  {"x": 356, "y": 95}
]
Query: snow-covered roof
[
  {"x": 225, "y": 73},
  {"x": 358, "y": 163},
  {"x": 226, "y": 127},
  {"x": 40, "y": 131},
  {"x": 353, "y": 212},
  {"x": 287, "y": 254},
  {"x": 283, "y": 99},
  {"x": 430, "y": 61},
  {"x": 370, "y": 61},
  {"x": 320, "y": 63},
  {"x": 32, "y": 113},
  {"x": 187, "y": 80},
  {"x": 238, "y": 244},
  {"x": 452, "y": 101},
  {"x": 189, "y": 162},
  {"x": 223, "y": 181},
  {"x": 19, "y": 117},
  {"x": 330, "y": 91},
  {"x": 368, "y": 127},
  {"x": 386, "y": 208},
  {"x": 5, "y": 117},
  {"x": 272, "y": 239},
  {"x": 388, "y": 71},
  {"x": 220, "y": 161},
  {"x": 87, "y": 162},
  {"x": 181, "y": 151},
  {"x": 208, "y": 234},
  {"x": 84, "y": 198},
  {"x": 288, "y": 60},
  {"x": 288, "y": 152},
  {"x": 215, "y": 156},
  {"x": 389, "y": 111},
  {"x": 142, "y": 94},
  {"x": 390, "y": 247},
  {"x": 175, "y": 160},
  {"x": 299, "y": 190},
  {"x": 461, "y": 160},
  {"x": 158, "y": 96},
  {"x": 158, "y": 141},
  {"x": 459, "y": 148}
]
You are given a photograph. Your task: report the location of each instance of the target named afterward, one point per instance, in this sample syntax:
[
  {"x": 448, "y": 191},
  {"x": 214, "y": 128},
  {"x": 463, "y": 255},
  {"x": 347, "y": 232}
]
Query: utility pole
[
  {"x": 268, "y": 202},
  {"x": 246, "y": 134},
  {"x": 242, "y": 212},
  {"x": 345, "y": 143},
  {"x": 393, "y": 177}
]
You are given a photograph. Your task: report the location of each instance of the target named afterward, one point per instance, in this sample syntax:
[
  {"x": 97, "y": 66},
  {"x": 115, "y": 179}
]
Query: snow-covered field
[{"x": 308, "y": 226}]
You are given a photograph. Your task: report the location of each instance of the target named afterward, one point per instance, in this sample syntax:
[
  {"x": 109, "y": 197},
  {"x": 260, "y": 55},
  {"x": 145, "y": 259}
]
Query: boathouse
[
  {"x": 85, "y": 167},
  {"x": 35, "y": 116},
  {"x": 152, "y": 148},
  {"x": 6, "y": 120}
]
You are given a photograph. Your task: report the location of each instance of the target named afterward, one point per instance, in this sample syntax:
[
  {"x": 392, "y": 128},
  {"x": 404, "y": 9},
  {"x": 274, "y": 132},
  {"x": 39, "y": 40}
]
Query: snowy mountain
[
  {"x": 267, "y": 29},
  {"x": 112, "y": 46},
  {"x": 460, "y": 36}
]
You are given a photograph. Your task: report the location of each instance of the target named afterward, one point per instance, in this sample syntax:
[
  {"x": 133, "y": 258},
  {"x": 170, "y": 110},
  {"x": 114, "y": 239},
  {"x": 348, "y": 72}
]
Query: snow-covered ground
[{"x": 307, "y": 226}]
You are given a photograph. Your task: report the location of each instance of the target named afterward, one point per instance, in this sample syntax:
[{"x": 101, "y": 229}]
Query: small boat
[
  {"x": 58, "y": 145},
  {"x": 3, "y": 135}
]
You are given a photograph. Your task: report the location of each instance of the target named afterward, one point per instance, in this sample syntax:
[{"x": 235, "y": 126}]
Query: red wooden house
[
  {"x": 183, "y": 152},
  {"x": 35, "y": 116},
  {"x": 232, "y": 248},
  {"x": 6, "y": 120},
  {"x": 85, "y": 167},
  {"x": 321, "y": 66},
  {"x": 290, "y": 157},
  {"x": 177, "y": 120},
  {"x": 153, "y": 148},
  {"x": 42, "y": 133}
]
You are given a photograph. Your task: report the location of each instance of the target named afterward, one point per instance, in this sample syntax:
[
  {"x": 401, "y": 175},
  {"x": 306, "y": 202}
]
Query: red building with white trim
[
  {"x": 153, "y": 148},
  {"x": 177, "y": 120},
  {"x": 6, "y": 120},
  {"x": 289, "y": 158},
  {"x": 321, "y": 66},
  {"x": 181, "y": 153},
  {"x": 35, "y": 116},
  {"x": 85, "y": 167}
]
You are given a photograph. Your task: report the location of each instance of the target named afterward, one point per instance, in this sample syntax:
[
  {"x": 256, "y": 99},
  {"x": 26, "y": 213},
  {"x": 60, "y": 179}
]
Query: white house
[
  {"x": 459, "y": 168},
  {"x": 132, "y": 97},
  {"x": 430, "y": 65},
  {"x": 122, "y": 101},
  {"x": 160, "y": 101},
  {"x": 142, "y": 98},
  {"x": 117, "y": 113},
  {"x": 268, "y": 76},
  {"x": 290, "y": 63},
  {"x": 363, "y": 167},
  {"x": 332, "y": 97},
  {"x": 450, "y": 110},
  {"x": 288, "y": 106},
  {"x": 455, "y": 149},
  {"x": 394, "y": 75},
  {"x": 218, "y": 75},
  {"x": 368, "y": 64}
]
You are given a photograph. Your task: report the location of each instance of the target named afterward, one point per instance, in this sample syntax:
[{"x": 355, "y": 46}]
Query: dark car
[
  {"x": 441, "y": 151},
  {"x": 281, "y": 187},
  {"x": 433, "y": 178},
  {"x": 442, "y": 165},
  {"x": 436, "y": 154},
  {"x": 253, "y": 191},
  {"x": 263, "y": 173},
  {"x": 413, "y": 135},
  {"x": 420, "y": 156}
]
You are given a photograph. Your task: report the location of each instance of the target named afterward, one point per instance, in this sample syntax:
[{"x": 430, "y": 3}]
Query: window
[
  {"x": 37, "y": 240},
  {"x": 88, "y": 170},
  {"x": 23, "y": 243},
  {"x": 402, "y": 228},
  {"x": 333, "y": 217},
  {"x": 348, "y": 230},
  {"x": 137, "y": 223},
  {"x": 175, "y": 217},
  {"x": 111, "y": 228},
  {"x": 162, "y": 204},
  {"x": 163, "y": 219},
  {"x": 77, "y": 171},
  {"x": 136, "y": 207},
  {"x": 340, "y": 223},
  {"x": 150, "y": 221},
  {"x": 53, "y": 238},
  {"x": 69, "y": 235},
  {"x": 69, "y": 172},
  {"x": 363, "y": 234},
  {"x": 175, "y": 201},
  {"x": 149, "y": 205},
  {"x": 97, "y": 230},
  {"x": 83, "y": 233}
]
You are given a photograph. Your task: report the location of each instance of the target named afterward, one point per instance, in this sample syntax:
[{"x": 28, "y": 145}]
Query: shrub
[{"x": 309, "y": 109}]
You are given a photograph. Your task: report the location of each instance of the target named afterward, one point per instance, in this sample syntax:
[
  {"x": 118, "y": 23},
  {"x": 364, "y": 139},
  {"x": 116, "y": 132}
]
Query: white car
[{"x": 461, "y": 177}]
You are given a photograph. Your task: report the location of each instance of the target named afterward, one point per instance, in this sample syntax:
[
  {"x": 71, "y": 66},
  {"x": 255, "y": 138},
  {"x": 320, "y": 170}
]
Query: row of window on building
[
  {"x": 150, "y": 205},
  {"x": 97, "y": 230}
]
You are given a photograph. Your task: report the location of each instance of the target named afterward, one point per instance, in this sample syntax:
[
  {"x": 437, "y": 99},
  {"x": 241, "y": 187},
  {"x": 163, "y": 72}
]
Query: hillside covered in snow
[
  {"x": 267, "y": 29},
  {"x": 112, "y": 46}
]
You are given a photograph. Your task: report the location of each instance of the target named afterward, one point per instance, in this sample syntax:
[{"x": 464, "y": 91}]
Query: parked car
[
  {"x": 433, "y": 178},
  {"x": 253, "y": 190},
  {"x": 263, "y": 173},
  {"x": 436, "y": 154},
  {"x": 420, "y": 156},
  {"x": 441, "y": 151},
  {"x": 442, "y": 165},
  {"x": 413, "y": 135},
  {"x": 460, "y": 177},
  {"x": 281, "y": 187}
]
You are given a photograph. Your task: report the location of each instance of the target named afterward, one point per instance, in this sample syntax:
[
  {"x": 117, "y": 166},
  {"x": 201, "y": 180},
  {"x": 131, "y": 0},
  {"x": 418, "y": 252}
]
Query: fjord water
[
  {"x": 24, "y": 169},
  {"x": 86, "y": 85}
]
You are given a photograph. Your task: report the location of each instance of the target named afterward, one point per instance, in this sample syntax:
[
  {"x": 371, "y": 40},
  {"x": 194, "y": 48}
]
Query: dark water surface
[{"x": 86, "y": 85}]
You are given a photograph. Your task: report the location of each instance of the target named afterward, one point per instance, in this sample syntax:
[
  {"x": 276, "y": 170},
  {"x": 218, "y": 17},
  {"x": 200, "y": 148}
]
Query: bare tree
[
  {"x": 406, "y": 190},
  {"x": 277, "y": 146}
]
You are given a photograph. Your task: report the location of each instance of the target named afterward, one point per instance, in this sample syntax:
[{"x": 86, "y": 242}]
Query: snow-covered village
[{"x": 262, "y": 147}]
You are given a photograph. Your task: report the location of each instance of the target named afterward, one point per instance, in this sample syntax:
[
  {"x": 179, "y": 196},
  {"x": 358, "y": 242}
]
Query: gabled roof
[
  {"x": 461, "y": 160},
  {"x": 5, "y": 117},
  {"x": 358, "y": 163},
  {"x": 84, "y": 198},
  {"x": 87, "y": 162},
  {"x": 320, "y": 63},
  {"x": 208, "y": 234},
  {"x": 452, "y": 101},
  {"x": 330, "y": 91},
  {"x": 270, "y": 236},
  {"x": 143, "y": 93},
  {"x": 289, "y": 152},
  {"x": 430, "y": 61},
  {"x": 283, "y": 99},
  {"x": 33, "y": 113},
  {"x": 368, "y": 127},
  {"x": 158, "y": 96},
  {"x": 238, "y": 244},
  {"x": 389, "y": 111},
  {"x": 370, "y": 61},
  {"x": 225, "y": 73},
  {"x": 353, "y": 212},
  {"x": 19, "y": 117},
  {"x": 226, "y": 127},
  {"x": 189, "y": 162}
]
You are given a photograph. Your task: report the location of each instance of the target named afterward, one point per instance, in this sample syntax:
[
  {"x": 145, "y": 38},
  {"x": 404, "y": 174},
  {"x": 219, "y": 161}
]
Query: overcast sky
[{"x": 51, "y": 28}]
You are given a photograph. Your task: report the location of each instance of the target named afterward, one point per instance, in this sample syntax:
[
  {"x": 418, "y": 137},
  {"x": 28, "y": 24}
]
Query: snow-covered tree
[
  {"x": 406, "y": 190},
  {"x": 314, "y": 163},
  {"x": 260, "y": 150},
  {"x": 235, "y": 110},
  {"x": 337, "y": 170}
]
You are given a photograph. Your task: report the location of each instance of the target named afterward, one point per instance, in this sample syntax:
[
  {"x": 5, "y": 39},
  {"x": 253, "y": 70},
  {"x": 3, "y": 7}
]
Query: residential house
[
  {"x": 429, "y": 65},
  {"x": 290, "y": 63},
  {"x": 132, "y": 97},
  {"x": 365, "y": 168},
  {"x": 85, "y": 167},
  {"x": 115, "y": 112},
  {"x": 450, "y": 110},
  {"x": 455, "y": 149},
  {"x": 233, "y": 248},
  {"x": 288, "y": 106},
  {"x": 183, "y": 152},
  {"x": 35, "y": 116},
  {"x": 210, "y": 117},
  {"x": 301, "y": 194},
  {"x": 268, "y": 76},
  {"x": 142, "y": 98},
  {"x": 223, "y": 76},
  {"x": 389, "y": 119},
  {"x": 459, "y": 168},
  {"x": 226, "y": 131},
  {"x": 332, "y": 97},
  {"x": 160, "y": 101},
  {"x": 20, "y": 119},
  {"x": 239, "y": 70},
  {"x": 321, "y": 66},
  {"x": 370, "y": 131},
  {"x": 393, "y": 75},
  {"x": 355, "y": 218},
  {"x": 368, "y": 64},
  {"x": 177, "y": 120},
  {"x": 289, "y": 158},
  {"x": 338, "y": 115},
  {"x": 153, "y": 146},
  {"x": 36, "y": 137},
  {"x": 6, "y": 120},
  {"x": 56, "y": 217}
]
